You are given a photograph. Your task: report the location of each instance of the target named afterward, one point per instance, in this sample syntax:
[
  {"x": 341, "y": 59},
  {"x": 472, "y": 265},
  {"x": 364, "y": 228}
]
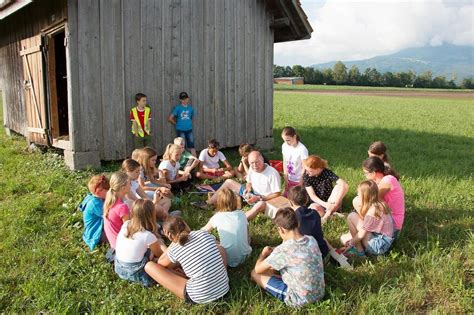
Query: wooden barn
[{"x": 70, "y": 69}]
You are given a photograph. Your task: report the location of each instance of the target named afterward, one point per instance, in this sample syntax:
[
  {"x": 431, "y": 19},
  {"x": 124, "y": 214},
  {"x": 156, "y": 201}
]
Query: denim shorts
[
  {"x": 187, "y": 136},
  {"x": 135, "y": 272},
  {"x": 379, "y": 244},
  {"x": 277, "y": 288}
]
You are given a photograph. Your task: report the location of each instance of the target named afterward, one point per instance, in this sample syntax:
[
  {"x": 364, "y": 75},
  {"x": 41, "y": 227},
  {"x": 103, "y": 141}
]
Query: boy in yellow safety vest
[{"x": 140, "y": 116}]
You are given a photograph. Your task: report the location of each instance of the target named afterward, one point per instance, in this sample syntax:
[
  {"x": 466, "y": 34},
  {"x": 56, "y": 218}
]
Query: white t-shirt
[
  {"x": 266, "y": 182},
  {"x": 133, "y": 188},
  {"x": 233, "y": 235},
  {"x": 172, "y": 170},
  {"x": 211, "y": 161},
  {"x": 293, "y": 157},
  {"x": 130, "y": 250}
]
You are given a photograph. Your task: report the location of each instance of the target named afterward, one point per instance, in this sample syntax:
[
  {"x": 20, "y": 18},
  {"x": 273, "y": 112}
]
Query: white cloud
[{"x": 352, "y": 30}]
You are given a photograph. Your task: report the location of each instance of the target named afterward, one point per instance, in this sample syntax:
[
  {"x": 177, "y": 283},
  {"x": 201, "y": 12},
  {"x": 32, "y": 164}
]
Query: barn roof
[
  {"x": 8, "y": 7},
  {"x": 289, "y": 20}
]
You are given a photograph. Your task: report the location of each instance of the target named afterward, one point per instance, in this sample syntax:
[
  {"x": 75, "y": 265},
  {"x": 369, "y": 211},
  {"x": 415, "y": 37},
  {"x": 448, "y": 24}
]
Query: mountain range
[{"x": 452, "y": 61}]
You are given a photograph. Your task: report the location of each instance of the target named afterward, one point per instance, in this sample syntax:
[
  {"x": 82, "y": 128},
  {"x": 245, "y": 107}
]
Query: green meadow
[{"x": 46, "y": 267}]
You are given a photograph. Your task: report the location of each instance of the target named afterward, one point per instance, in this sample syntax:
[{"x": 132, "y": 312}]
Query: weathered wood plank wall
[
  {"x": 24, "y": 24},
  {"x": 220, "y": 52}
]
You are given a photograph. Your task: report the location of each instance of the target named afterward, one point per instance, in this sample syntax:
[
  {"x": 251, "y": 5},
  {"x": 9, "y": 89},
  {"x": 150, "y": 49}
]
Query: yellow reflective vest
[{"x": 146, "y": 118}]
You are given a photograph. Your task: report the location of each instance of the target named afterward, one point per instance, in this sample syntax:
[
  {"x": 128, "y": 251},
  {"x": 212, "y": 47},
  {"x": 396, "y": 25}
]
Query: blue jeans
[
  {"x": 379, "y": 244},
  {"x": 187, "y": 136},
  {"x": 134, "y": 272}
]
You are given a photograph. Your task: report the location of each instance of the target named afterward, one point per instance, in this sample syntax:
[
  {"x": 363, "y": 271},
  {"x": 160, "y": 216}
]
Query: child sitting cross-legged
[
  {"x": 298, "y": 261},
  {"x": 193, "y": 267},
  {"x": 232, "y": 225},
  {"x": 137, "y": 243},
  {"x": 210, "y": 168},
  {"x": 169, "y": 167},
  {"x": 188, "y": 162},
  {"x": 371, "y": 228},
  {"x": 92, "y": 207},
  {"x": 308, "y": 219},
  {"x": 160, "y": 200}
]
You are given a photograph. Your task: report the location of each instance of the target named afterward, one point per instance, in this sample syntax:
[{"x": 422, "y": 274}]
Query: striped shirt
[{"x": 203, "y": 265}]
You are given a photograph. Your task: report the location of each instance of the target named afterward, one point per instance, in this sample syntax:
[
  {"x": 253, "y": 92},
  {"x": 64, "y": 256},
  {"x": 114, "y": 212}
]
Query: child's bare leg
[
  {"x": 165, "y": 204},
  {"x": 204, "y": 175},
  {"x": 193, "y": 152},
  {"x": 256, "y": 209},
  {"x": 166, "y": 278},
  {"x": 231, "y": 184},
  {"x": 261, "y": 279}
]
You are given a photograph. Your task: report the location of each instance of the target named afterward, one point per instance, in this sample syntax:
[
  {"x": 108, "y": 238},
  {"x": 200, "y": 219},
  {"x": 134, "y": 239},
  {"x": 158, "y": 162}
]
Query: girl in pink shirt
[
  {"x": 116, "y": 212},
  {"x": 371, "y": 228},
  {"x": 390, "y": 190}
]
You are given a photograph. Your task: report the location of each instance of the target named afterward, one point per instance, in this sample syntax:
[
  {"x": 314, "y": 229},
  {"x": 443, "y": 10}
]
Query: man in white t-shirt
[{"x": 263, "y": 184}]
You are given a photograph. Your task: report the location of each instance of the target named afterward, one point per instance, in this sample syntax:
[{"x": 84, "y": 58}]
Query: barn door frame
[
  {"x": 38, "y": 132},
  {"x": 48, "y": 34}
]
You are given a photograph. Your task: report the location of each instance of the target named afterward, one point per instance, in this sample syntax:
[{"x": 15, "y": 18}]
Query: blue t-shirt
[
  {"x": 310, "y": 224},
  {"x": 184, "y": 117},
  {"x": 92, "y": 207}
]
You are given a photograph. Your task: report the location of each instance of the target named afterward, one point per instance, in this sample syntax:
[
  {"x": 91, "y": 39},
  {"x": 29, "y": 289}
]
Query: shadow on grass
[{"x": 413, "y": 154}]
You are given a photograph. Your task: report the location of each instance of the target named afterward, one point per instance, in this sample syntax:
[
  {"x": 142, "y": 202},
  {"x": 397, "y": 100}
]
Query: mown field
[{"x": 45, "y": 267}]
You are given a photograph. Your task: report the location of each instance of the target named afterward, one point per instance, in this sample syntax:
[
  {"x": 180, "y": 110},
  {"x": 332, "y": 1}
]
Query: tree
[
  {"x": 339, "y": 73},
  {"x": 423, "y": 80},
  {"x": 373, "y": 77},
  {"x": 353, "y": 77},
  {"x": 467, "y": 83},
  {"x": 389, "y": 79},
  {"x": 298, "y": 71},
  {"x": 278, "y": 71},
  {"x": 439, "y": 82},
  {"x": 406, "y": 78},
  {"x": 327, "y": 76}
]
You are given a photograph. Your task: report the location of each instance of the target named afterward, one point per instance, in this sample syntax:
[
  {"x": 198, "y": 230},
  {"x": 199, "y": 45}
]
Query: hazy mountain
[{"x": 449, "y": 60}]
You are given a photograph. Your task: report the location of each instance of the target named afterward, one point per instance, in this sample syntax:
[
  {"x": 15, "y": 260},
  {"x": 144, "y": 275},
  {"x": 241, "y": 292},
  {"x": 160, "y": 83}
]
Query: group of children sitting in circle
[{"x": 131, "y": 212}]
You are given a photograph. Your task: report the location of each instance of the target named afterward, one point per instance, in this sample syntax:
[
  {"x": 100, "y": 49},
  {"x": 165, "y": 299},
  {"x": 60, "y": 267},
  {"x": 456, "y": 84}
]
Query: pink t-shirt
[
  {"x": 395, "y": 199},
  {"x": 113, "y": 222}
]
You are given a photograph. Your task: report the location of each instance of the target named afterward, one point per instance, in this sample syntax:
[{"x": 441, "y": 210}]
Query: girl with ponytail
[
  {"x": 116, "y": 212},
  {"x": 201, "y": 259},
  {"x": 379, "y": 150}
]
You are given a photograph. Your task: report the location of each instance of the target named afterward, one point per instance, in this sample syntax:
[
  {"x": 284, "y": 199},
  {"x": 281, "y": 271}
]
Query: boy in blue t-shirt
[
  {"x": 92, "y": 206},
  {"x": 182, "y": 117},
  {"x": 309, "y": 220}
]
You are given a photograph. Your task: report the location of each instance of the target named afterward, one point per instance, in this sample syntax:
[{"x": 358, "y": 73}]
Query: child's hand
[
  {"x": 253, "y": 199},
  {"x": 157, "y": 196},
  {"x": 267, "y": 250}
]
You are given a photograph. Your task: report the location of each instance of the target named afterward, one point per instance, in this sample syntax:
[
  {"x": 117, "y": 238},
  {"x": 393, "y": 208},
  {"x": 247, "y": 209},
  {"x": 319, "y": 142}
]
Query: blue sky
[{"x": 353, "y": 30}]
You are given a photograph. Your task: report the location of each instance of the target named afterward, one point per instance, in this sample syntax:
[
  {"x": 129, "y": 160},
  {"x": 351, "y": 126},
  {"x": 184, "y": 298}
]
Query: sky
[{"x": 354, "y": 30}]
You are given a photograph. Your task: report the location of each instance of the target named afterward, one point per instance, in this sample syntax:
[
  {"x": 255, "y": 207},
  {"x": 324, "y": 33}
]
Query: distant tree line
[{"x": 341, "y": 75}]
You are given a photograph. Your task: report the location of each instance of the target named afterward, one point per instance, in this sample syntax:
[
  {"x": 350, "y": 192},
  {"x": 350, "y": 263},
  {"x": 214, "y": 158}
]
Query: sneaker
[
  {"x": 175, "y": 213},
  {"x": 200, "y": 204},
  {"x": 353, "y": 252}
]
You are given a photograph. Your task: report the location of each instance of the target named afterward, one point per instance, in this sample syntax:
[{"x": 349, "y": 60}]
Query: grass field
[
  {"x": 45, "y": 267},
  {"x": 318, "y": 87}
]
